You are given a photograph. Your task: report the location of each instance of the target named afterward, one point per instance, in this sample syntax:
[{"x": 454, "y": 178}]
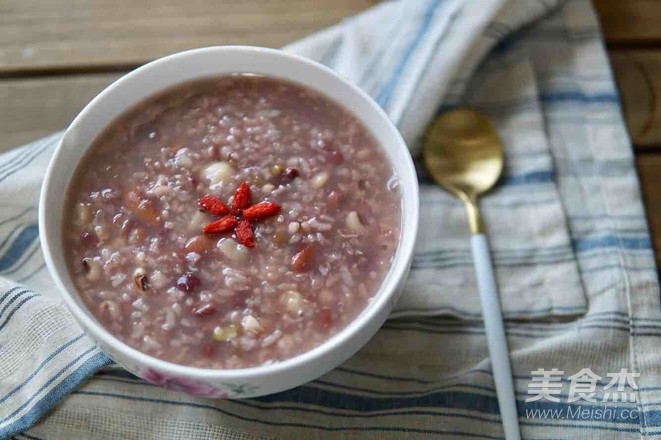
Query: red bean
[
  {"x": 88, "y": 240},
  {"x": 200, "y": 244},
  {"x": 301, "y": 261},
  {"x": 239, "y": 299},
  {"x": 336, "y": 157},
  {"x": 204, "y": 309},
  {"x": 145, "y": 209},
  {"x": 187, "y": 282},
  {"x": 291, "y": 173},
  {"x": 334, "y": 199},
  {"x": 208, "y": 350},
  {"x": 325, "y": 317}
]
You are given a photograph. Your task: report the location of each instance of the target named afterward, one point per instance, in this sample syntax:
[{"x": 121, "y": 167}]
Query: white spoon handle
[{"x": 493, "y": 323}]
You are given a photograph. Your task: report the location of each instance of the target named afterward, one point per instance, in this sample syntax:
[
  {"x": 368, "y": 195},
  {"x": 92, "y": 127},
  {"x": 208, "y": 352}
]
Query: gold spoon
[{"x": 464, "y": 155}]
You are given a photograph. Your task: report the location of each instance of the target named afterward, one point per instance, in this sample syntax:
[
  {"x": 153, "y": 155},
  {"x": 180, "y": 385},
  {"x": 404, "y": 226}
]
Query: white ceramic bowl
[{"x": 184, "y": 66}]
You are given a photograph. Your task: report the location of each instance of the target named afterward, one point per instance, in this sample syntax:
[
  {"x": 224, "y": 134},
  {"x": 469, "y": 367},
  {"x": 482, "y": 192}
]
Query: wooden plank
[
  {"x": 649, "y": 169},
  {"x": 627, "y": 22},
  {"x": 57, "y": 34},
  {"x": 638, "y": 76},
  {"x": 33, "y": 108}
]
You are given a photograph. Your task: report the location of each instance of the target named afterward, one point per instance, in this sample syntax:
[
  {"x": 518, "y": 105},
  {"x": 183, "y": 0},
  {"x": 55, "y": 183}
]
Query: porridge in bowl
[{"x": 231, "y": 222}]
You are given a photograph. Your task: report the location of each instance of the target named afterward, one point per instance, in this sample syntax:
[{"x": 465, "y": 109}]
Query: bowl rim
[{"x": 383, "y": 298}]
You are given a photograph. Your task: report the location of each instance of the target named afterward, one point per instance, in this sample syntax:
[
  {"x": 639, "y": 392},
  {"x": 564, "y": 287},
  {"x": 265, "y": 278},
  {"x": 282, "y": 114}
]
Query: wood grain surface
[
  {"x": 34, "y": 107},
  {"x": 649, "y": 169},
  {"x": 627, "y": 22},
  {"x": 78, "y": 34},
  {"x": 638, "y": 76}
]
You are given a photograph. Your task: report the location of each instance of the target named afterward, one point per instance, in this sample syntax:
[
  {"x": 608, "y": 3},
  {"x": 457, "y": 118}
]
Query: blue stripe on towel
[
  {"x": 62, "y": 389},
  {"x": 385, "y": 94},
  {"x": 30, "y": 437},
  {"x": 18, "y": 247},
  {"x": 52, "y": 379},
  {"x": 526, "y": 252},
  {"x": 11, "y": 158},
  {"x": 576, "y": 96},
  {"x": 524, "y": 312},
  {"x": 16, "y": 216},
  {"x": 557, "y": 97},
  {"x": 7, "y": 293},
  {"x": 549, "y": 33},
  {"x": 41, "y": 366},
  {"x": 343, "y": 414},
  {"x": 510, "y": 333},
  {"x": 26, "y": 160},
  {"x": 607, "y": 241},
  {"x": 24, "y": 259},
  {"x": 544, "y": 254},
  {"x": 529, "y": 178},
  {"x": 10, "y": 234},
  {"x": 41, "y": 267},
  {"x": 18, "y": 306},
  {"x": 13, "y": 299}
]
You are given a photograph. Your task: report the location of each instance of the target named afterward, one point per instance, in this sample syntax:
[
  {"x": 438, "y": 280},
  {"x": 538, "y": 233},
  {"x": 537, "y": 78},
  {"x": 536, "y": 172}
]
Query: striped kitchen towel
[{"x": 572, "y": 252}]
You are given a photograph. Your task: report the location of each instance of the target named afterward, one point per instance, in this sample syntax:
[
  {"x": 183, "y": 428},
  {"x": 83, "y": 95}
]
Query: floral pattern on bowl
[{"x": 186, "y": 385}]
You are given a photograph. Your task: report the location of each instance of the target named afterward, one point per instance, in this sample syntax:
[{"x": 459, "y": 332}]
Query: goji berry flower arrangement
[{"x": 240, "y": 218}]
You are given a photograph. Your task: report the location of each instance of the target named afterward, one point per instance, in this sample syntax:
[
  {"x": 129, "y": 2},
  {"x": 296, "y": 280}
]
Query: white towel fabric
[{"x": 572, "y": 252}]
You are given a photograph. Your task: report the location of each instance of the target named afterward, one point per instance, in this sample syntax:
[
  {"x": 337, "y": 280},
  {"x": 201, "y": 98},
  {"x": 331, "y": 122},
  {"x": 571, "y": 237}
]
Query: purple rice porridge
[{"x": 231, "y": 222}]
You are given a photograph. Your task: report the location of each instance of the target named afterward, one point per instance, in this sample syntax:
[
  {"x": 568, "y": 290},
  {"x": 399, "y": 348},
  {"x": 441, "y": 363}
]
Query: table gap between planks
[{"x": 56, "y": 55}]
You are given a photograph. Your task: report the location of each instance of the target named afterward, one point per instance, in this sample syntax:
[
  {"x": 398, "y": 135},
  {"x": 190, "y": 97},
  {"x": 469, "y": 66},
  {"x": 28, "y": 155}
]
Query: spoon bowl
[{"x": 463, "y": 153}]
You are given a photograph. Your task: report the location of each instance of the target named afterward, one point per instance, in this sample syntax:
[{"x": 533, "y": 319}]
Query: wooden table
[{"x": 55, "y": 55}]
